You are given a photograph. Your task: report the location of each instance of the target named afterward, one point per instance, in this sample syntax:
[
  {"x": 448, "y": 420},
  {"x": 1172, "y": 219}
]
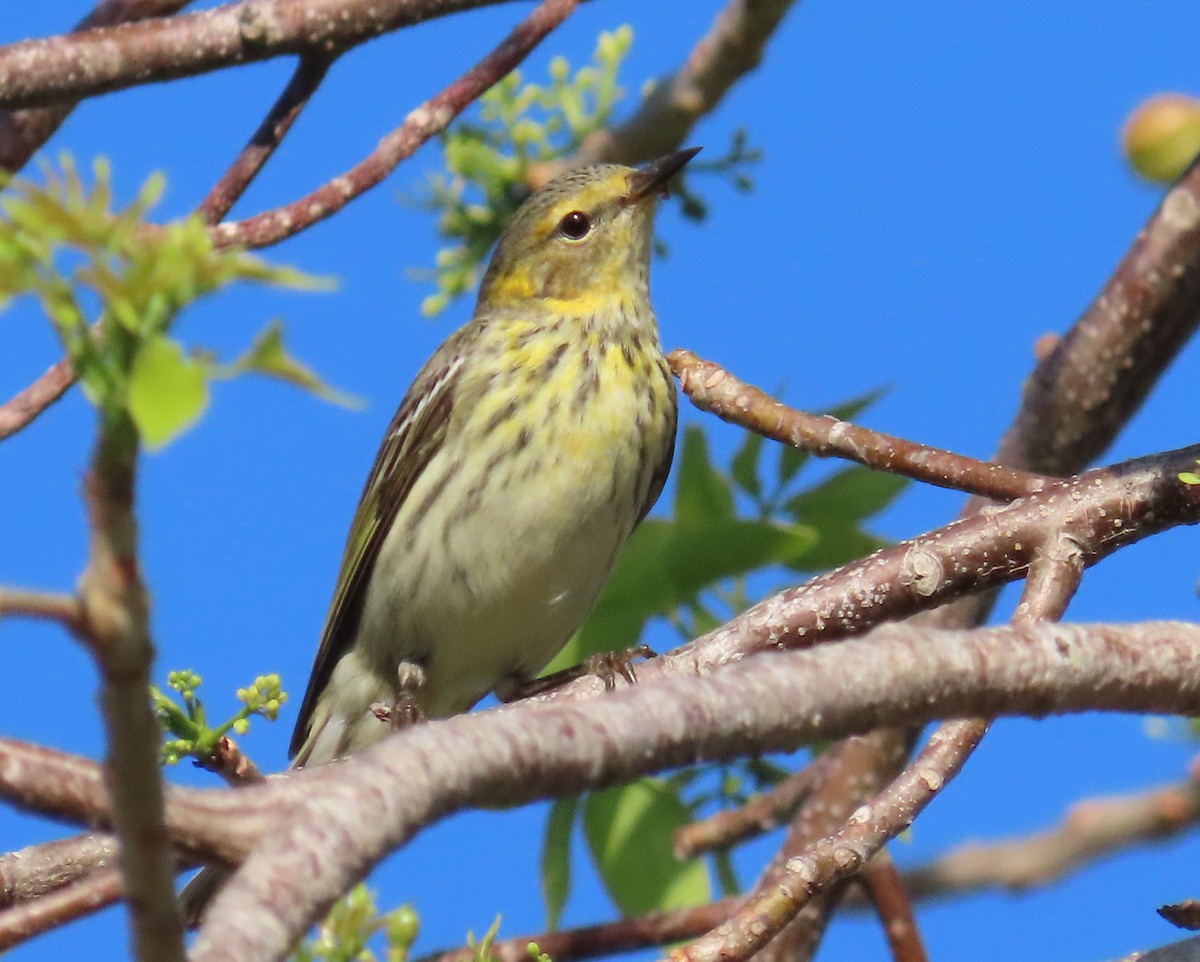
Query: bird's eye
[{"x": 575, "y": 225}]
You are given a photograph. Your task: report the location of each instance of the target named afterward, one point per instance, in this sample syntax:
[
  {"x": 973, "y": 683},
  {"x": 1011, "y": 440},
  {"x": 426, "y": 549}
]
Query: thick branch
[
  {"x": 66, "y": 904},
  {"x": 713, "y": 389},
  {"x": 38, "y": 869},
  {"x": 38, "y": 72},
  {"x": 338, "y": 827},
  {"x": 22, "y": 132}
]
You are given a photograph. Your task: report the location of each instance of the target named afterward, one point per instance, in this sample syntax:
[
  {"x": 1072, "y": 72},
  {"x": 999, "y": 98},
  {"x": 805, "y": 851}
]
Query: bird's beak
[{"x": 651, "y": 179}]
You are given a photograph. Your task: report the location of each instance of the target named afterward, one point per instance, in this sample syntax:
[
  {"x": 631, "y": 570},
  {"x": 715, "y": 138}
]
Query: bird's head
[{"x": 584, "y": 235}]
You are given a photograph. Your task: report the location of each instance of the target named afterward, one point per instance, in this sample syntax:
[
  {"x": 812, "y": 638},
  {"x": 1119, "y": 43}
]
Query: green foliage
[
  {"x": 692, "y": 569},
  {"x": 1190, "y": 477},
  {"x": 64, "y": 244},
  {"x": 353, "y": 925},
  {"x": 629, "y": 830},
  {"x": 187, "y": 721},
  {"x": 489, "y": 162},
  {"x": 492, "y": 162}
]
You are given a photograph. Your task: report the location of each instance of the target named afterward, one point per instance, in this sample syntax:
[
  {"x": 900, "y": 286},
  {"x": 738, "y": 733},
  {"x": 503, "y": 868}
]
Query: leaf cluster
[
  {"x": 64, "y": 244},
  {"x": 187, "y": 721},
  {"x": 354, "y": 929}
]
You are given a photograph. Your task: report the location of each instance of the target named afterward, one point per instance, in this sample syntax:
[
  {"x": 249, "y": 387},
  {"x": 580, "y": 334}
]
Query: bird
[{"x": 528, "y": 448}]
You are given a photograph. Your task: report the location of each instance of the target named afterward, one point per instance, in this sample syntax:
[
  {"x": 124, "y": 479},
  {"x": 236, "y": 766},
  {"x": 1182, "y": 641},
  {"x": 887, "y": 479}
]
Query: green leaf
[
  {"x": 629, "y": 831},
  {"x": 839, "y": 542},
  {"x": 701, "y": 493},
  {"x": 744, "y": 468},
  {"x": 556, "y": 858},
  {"x": 668, "y": 563},
  {"x": 168, "y": 391},
  {"x": 852, "y": 493},
  {"x": 268, "y": 356}
]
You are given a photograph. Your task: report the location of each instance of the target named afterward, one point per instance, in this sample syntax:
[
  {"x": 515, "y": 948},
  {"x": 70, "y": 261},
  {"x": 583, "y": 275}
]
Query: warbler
[{"x": 528, "y": 448}]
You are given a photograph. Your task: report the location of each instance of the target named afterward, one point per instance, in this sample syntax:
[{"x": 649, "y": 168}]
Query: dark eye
[{"x": 575, "y": 225}]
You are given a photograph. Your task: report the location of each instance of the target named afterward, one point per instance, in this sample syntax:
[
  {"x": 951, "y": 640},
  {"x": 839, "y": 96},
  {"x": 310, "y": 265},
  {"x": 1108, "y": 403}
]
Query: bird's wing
[
  {"x": 663, "y": 468},
  {"x": 414, "y": 436}
]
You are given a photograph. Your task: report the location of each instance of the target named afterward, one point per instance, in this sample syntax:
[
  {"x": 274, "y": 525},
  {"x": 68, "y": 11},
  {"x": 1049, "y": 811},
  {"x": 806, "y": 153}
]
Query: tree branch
[
  {"x": 430, "y": 118},
  {"x": 75, "y": 900},
  {"x": 887, "y": 892},
  {"x": 732, "y": 48},
  {"x": 22, "y": 132},
  {"x": 713, "y": 389},
  {"x": 310, "y": 71},
  {"x": 34, "y": 73},
  {"x": 34, "y": 871},
  {"x": 337, "y": 827},
  {"x": 51, "y": 606}
]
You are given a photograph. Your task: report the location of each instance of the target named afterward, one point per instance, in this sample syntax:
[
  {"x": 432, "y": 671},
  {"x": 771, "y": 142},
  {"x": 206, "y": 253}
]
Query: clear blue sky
[{"x": 941, "y": 185}]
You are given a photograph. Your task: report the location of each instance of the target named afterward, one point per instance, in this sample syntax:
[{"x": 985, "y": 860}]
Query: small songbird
[{"x": 528, "y": 448}]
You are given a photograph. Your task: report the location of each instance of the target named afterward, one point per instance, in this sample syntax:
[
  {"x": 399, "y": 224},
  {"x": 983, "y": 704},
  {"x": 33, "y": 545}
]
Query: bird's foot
[
  {"x": 405, "y": 711},
  {"x": 606, "y": 666}
]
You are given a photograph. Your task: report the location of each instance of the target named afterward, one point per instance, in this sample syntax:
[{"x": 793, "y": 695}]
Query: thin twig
[
  {"x": 711, "y": 388},
  {"x": 228, "y": 761},
  {"x": 430, "y": 118},
  {"x": 21, "y": 409},
  {"x": 310, "y": 71},
  {"x": 74, "y": 901},
  {"x": 890, "y": 898},
  {"x": 51, "y": 606},
  {"x": 761, "y": 813},
  {"x": 1093, "y": 829}
]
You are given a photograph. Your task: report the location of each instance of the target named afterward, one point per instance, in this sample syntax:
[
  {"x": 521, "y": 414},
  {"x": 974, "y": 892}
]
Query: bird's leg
[
  {"x": 404, "y": 711},
  {"x": 606, "y": 666}
]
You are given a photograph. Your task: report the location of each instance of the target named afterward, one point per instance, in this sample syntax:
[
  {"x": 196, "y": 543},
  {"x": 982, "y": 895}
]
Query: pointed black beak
[{"x": 651, "y": 179}]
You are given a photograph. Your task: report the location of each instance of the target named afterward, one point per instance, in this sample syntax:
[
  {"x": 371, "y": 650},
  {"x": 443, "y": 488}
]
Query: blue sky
[{"x": 940, "y": 186}]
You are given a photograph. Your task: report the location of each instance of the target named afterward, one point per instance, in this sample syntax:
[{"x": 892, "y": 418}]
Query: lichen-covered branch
[
  {"x": 73, "y": 66},
  {"x": 337, "y": 827},
  {"x": 22, "y": 132}
]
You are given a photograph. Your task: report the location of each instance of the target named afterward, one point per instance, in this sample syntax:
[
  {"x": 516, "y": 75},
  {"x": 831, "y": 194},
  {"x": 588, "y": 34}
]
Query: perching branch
[
  {"x": 73, "y": 901},
  {"x": 344, "y": 824}
]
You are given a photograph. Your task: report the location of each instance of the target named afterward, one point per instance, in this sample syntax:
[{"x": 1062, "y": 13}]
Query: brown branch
[
  {"x": 711, "y": 388},
  {"x": 761, "y": 813},
  {"x": 32, "y": 872},
  {"x": 22, "y": 132},
  {"x": 116, "y": 623},
  {"x": 23, "y": 407},
  {"x": 66, "y": 904},
  {"x": 835, "y": 858},
  {"x": 430, "y": 118},
  {"x": 310, "y": 71},
  {"x": 1091, "y": 830},
  {"x": 732, "y": 48},
  {"x": 890, "y": 898},
  {"x": 1098, "y": 375},
  {"x": 38, "y": 72},
  {"x": 228, "y": 761},
  {"x": 334, "y": 825},
  {"x": 1183, "y": 915},
  {"x": 51, "y": 606},
  {"x": 1104, "y": 508},
  {"x": 607, "y": 938}
]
